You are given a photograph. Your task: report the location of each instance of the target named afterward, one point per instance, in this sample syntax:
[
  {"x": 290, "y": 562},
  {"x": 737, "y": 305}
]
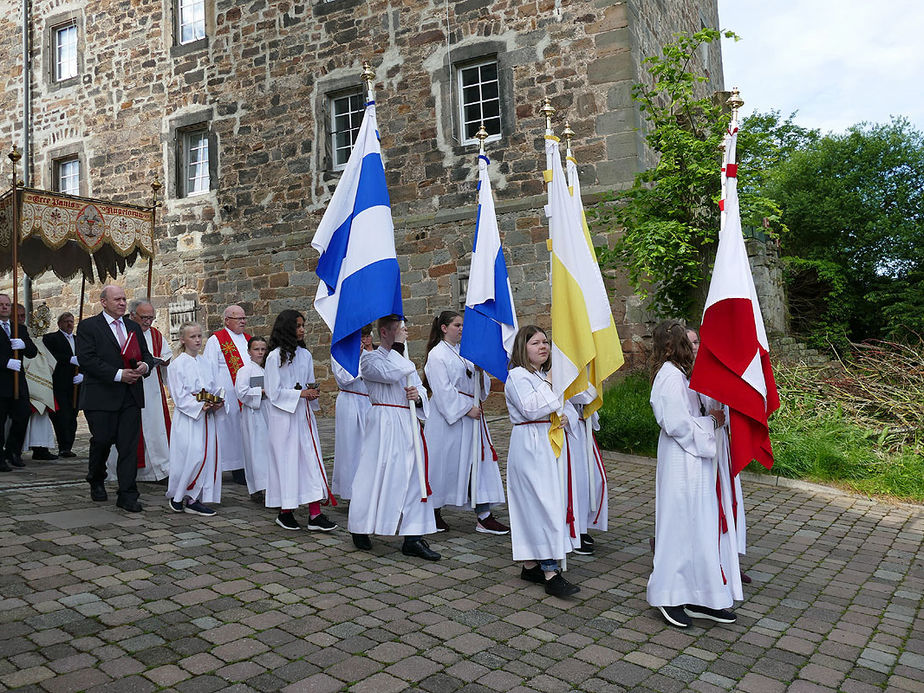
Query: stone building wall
[{"x": 261, "y": 79}]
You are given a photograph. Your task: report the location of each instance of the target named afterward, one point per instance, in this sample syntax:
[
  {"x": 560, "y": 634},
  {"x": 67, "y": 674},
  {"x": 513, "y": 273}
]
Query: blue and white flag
[
  {"x": 490, "y": 320},
  {"x": 358, "y": 268}
]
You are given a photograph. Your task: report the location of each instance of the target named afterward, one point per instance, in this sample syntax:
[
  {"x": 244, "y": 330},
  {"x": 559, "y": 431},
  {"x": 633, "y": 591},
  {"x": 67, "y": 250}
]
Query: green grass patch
[{"x": 813, "y": 439}]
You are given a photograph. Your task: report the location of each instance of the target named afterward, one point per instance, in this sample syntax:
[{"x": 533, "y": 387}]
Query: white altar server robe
[
  {"x": 449, "y": 431},
  {"x": 386, "y": 489},
  {"x": 691, "y": 566},
  {"x": 351, "y": 409},
  {"x": 538, "y": 529},
  {"x": 295, "y": 474},
  {"x": 254, "y": 426},
  {"x": 194, "y": 469},
  {"x": 730, "y": 486},
  {"x": 227, "y": 420},
  {"x": 585, "y": 517}
]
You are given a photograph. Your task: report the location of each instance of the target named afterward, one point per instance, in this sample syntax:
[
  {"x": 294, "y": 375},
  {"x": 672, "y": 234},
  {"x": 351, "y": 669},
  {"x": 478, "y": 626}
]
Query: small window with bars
[
  {"x": 65, "y": 51},
  {"x": 479, "y": 100},
  {"x": 190, "y": 20},
  {"x": 67, "y": 176},
  {"x": 195, "y": 178},
  {"x": 346, "y": 115}
]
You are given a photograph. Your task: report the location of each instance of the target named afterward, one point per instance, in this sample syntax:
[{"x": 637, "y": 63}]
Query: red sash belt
[
  {"x": 396, "y": 406},
  {"x": 353, "y": 392},
  {"x": 527, "y": 423}
]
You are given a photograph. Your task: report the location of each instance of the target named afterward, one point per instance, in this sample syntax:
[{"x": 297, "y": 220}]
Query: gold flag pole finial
[
  {"x": 548, "y": 110},
  {"x": 481, "y": 136},
  {"x": 568, "y": 134},
  {"x": 15, "y": 156},
  {"x": 156, "y": 187},
  {"x": 368, "y": 76},
  {"x": 735, "y": 101}
]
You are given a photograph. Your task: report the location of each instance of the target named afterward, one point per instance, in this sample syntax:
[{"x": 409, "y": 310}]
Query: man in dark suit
[
  {"x": 64, "y": 380},
  {"x": 16, "y": 410},
  {"x": 112, "y": 395}
]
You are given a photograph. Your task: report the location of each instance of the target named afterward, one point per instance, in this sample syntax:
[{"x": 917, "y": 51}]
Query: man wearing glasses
[
  {"x": 226, "y": 350},
  {"x": 154, "y": 453}
]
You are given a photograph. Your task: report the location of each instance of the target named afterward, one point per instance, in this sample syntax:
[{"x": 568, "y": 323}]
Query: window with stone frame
[
  {"x": 67, "y": 175},
  {"x": 64, "y": 47},
  {"x": 346, "y": 115},
  {"x": 195, "y": 161},
  {"x": 479, "y": 99},
  {"x": 190, "y": 21}
]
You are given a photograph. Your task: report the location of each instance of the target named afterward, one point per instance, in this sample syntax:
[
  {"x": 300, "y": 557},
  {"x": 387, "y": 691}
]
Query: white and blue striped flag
[
  {"x": 358, "y": 268},
  {"x": 490, "y": 319}
]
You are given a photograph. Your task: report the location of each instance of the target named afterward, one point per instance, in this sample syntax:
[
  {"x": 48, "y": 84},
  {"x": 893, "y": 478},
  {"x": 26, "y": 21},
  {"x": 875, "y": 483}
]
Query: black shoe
[
  {"x": 129, "y": 506},
  {"x": 67, "y": 453},
  {"x": 43, "y": 454},
  {"x": 421, "y": 549},
  {"x": 4, "y": 466},
  {"x": 98, "y": 493},
  {"x": 676, "y": 616},
  {"x": 362, "y": 542},
  {"x": 258, "y": 497},
  {"x": 199, "y": 508},
  {"x": 287, "y": 521},
  {"x": 534, "y": 574},
  {"x": 441, "y": 525},
  {"x": 320, "y": 523},
  {"x": 16, "y": 461},
  {"x": 176, "y": 507},
  {"x": 584, "y": 549},
  {"x": 557, "y": 586},
  {"x": 587, "y": 539},
  {"x": 704, "y": 612},
  {"x": 237, "y": 476}
]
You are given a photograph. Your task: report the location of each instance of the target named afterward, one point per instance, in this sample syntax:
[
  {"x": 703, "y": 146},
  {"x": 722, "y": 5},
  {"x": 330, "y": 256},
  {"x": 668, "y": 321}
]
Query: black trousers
[
  {"x": 16, "y": 411},
  {"x": 65, "y": 421},
  {"x": 121, "y": 428}
]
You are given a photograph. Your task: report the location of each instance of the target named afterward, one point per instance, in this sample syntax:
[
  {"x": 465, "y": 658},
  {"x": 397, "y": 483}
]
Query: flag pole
[
  {"x": 548, "y": 110},
  {"x": 481, "y": 135},
  {"x": 14, "y": 157},
  {"x": 368, "y": 76},
  {"x": 588, "y": 427},
  {"x": 83, "y": 288},
  {"x": 155, "y": 188}
]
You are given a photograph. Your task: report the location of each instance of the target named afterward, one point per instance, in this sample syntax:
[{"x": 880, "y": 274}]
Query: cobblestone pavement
[{"x": 94, "y": 598}]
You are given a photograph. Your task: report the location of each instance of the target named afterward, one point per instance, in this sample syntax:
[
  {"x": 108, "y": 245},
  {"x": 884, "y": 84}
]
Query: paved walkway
[{"x": 94, "y": 598}]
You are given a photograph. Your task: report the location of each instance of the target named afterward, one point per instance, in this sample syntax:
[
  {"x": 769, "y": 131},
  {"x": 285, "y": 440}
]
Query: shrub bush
[{"x": 626, "y": 421}]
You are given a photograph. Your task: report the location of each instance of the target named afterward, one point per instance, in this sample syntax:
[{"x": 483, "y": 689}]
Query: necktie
[
  {"x": 120, "y": 333},
  {"x": 6, "y": 328}
]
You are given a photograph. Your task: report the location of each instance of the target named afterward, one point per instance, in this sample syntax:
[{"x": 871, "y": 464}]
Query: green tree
[
  {"x": 669, "y": 218},
  {"x": 855, "y": 202}
]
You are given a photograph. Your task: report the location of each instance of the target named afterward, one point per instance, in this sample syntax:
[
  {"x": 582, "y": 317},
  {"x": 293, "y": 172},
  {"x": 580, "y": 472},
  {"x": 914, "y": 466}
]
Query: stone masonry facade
[{"x": 260, "y": 83}]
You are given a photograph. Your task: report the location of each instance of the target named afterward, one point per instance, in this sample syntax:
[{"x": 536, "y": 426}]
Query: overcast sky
[{"x": 836, "y": 62}]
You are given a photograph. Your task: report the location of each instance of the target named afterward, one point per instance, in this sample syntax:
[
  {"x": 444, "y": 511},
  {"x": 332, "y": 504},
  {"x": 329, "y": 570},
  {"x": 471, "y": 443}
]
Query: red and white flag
[{"x": 733, "y": 363}]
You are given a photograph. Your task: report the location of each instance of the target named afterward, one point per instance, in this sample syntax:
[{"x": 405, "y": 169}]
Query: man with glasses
[
  {"x": 154, "y": 450},
  {"x": 226, "y": 350}
]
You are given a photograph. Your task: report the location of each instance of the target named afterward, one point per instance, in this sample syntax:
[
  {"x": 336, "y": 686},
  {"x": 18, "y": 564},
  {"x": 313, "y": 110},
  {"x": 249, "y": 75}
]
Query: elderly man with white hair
[{"x": 226, "y": 350}]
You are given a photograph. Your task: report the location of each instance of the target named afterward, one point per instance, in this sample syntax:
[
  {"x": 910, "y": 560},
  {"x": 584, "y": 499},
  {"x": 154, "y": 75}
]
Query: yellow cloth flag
[{"x": 585, "y": 343}]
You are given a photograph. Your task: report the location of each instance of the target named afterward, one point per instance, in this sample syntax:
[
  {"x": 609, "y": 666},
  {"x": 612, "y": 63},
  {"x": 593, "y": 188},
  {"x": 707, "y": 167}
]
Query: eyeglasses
[
  {"x": 146, "y": 318},
  {"x": 234, "y": 317}
]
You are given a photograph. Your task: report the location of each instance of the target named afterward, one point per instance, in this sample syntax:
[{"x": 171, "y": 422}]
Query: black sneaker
[
  {"x": 584, "y": 549},
  {"x": 557, "y": 586},
  {"x": 441, "y": 525},
  {"x": 676, "y": 616},
  {"x": 534, "y": 574},
  {"x": 704, "y": 612},
  {"x": 362, "y": 542},
  {"x": 587, "y": 539},
  {"x": 176, "y": 507},
  {"x": 197, "y": 508},
  {"x": 287, "y": 521},
  {"x": 320, "y": 523}
]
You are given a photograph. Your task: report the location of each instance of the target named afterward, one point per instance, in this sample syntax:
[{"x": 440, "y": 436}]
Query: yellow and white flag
[{"x": 585, "y": 344}]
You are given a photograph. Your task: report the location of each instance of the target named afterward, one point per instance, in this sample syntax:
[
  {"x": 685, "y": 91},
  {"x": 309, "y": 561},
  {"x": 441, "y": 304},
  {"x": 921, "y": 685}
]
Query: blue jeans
[{"x": 549, "y": 565}]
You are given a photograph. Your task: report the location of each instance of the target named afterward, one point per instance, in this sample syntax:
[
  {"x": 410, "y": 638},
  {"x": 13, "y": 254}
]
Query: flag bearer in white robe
[
  {"x": 226, "y": 350},
  {"x": 696, "y": 572},
  {"x": 454, "y": 416},
  {"x": 194, "y": 475},
  {"x": 538, "y": 519},
  {"x": 352, "y": 407},
  {"x": 295, "y": 474},
  {"x": 154, "y": 448},
  {"x": 249, "y": 387},
  {"x": 588, "y": 515},
  {"x": 387, "y": 494},
  {"x": 730, "y": 485}
]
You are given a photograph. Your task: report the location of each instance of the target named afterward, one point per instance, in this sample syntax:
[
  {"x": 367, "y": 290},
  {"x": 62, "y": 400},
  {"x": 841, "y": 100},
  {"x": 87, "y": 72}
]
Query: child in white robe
[
  {"x": 451, "y": 427},
  {"x": 535, "y": 498},
  {"x": 194, "y": 476},
  {"x": 350, "y": 421},
  {"x": 296, "y": 473},
  {"x": 387, "y": 494},
  {"x": 248, "y": 386},
  {"x": 695, "y": 573}
]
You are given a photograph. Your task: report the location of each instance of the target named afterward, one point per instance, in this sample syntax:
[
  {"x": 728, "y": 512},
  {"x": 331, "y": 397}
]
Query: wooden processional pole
[{"x": 15, "y": 156}]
